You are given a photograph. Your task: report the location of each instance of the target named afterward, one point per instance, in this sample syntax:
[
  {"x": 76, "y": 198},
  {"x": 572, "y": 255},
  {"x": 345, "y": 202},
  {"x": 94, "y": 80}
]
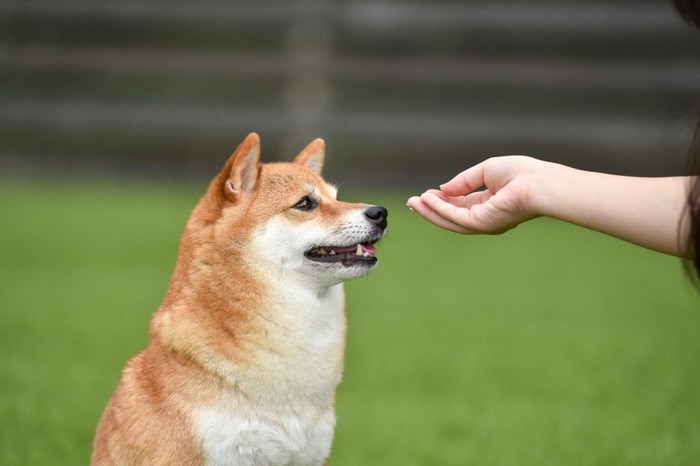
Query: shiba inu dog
[{"x": 247, "y": 347}]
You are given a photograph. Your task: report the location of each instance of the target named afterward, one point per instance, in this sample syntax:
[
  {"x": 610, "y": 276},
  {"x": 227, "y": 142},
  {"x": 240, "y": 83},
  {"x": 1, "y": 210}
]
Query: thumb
[{"x": 465, "y": 182}]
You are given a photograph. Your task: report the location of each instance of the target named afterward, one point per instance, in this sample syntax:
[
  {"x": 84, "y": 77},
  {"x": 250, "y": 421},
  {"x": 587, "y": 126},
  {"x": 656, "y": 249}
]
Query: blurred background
[
  {"x": 549, "y": 345},
  {"x": 403, "y": 91}
]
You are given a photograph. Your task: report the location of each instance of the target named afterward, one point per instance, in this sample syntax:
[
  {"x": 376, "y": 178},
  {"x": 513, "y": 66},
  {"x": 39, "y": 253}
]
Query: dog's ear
[
  {"x": 313, "y": 155},
  {"x": 240, "y": 173}
]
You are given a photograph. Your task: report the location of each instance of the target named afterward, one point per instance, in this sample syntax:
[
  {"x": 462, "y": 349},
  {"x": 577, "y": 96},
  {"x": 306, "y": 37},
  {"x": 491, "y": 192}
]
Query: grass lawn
[{"x": 549, "y": 345}]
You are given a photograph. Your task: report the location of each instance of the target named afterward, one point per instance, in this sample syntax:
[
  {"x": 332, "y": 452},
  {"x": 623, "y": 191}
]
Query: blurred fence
[{"x": 401, "y": 91}]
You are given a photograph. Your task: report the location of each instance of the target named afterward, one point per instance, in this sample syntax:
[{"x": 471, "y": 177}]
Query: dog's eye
[{"x": 305, "y": 204}]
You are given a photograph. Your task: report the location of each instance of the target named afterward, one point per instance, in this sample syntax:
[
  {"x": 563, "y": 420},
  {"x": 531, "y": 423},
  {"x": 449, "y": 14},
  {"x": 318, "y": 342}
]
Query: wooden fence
[{"x": 402, "y": 91}]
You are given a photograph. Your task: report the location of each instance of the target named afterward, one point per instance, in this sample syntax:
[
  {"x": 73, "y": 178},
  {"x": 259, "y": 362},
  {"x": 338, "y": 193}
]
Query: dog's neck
[{"x": 275, "y": 338}]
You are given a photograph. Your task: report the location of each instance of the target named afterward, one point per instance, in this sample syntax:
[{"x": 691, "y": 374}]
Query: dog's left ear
[
  {"x": 241, "y": 171},
  {"x": 313, "y": 155}
]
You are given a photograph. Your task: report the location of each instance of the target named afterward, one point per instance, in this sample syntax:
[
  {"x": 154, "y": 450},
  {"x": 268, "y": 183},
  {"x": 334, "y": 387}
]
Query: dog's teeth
[
  {"x": 365, "y": 254},
  {"x": 358, "y": 251},
  {"x": 332, "y": 252},
  {"x": 321, "y": 251}
]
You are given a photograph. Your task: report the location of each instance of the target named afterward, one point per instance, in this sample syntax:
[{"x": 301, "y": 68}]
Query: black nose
[{"x": 377, "y": 215}]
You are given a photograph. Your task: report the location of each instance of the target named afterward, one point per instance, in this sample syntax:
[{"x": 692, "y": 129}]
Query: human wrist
[{"x": 547, "y": 187}]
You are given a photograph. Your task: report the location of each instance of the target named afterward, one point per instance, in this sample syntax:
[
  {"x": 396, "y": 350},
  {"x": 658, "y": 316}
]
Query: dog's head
[{"x": 286, "y": 219}]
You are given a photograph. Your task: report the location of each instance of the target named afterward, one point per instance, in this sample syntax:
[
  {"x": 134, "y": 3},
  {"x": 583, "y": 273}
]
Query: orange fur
[{"x": 213, "y": 331}]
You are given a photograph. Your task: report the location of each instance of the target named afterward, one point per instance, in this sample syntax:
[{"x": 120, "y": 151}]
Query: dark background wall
[{"x": 402, "y": 91}]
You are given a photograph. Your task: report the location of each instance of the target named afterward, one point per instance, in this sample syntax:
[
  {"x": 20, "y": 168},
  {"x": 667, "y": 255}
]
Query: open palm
[{"x": 462, "y": 206}]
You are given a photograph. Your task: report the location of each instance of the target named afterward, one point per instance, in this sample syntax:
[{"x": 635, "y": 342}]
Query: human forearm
[{"x": 644, "y": 211}]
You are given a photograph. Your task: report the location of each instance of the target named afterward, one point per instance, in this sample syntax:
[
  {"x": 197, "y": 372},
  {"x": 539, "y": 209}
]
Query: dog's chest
[
  {"x": 280, "y": 407},
  {"x": 235, "y": 437}
]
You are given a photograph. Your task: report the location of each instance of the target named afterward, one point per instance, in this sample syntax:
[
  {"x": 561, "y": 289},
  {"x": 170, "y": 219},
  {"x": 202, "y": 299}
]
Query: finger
[
  {"x": 467, "y": 201},
  {"x": 445, "y": 197},
  {"x": 413, "y": 203},
  {"x": 417, "y": 205},
  {"x": 442, "y": 222},
  {"x": 475, "y": 198},
  {"x": 465, "y": 182},
  {"x": 454, "y": 214}
]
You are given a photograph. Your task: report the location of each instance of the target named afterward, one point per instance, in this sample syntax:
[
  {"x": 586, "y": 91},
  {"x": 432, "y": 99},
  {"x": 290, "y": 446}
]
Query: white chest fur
[
  {"x": 232, "y": 437},
  {"x": 281, "y": 409}
]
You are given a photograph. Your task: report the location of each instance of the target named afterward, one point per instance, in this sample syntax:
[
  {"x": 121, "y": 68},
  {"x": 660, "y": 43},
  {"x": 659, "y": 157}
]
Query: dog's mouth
[{"x": 360, "y": 254}]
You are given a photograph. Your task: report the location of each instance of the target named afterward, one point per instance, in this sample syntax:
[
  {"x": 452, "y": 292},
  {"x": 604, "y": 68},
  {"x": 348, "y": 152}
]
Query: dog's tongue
[
  {"x": 365, "y": 248},
  {"x": 368, "y": 248}
]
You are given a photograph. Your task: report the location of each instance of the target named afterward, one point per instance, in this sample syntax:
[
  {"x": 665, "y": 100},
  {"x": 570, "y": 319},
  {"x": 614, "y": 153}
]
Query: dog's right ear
[{"x": 240, "y": 173}]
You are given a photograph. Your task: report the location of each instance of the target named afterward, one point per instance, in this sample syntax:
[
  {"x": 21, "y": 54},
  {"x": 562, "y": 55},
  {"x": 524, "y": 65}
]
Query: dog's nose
[{"x": 377, "y": 215}]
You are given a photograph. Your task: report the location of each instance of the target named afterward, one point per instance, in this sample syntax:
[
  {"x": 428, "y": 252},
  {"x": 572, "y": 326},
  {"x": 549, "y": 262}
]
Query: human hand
[{"x": 506, "y": 201}]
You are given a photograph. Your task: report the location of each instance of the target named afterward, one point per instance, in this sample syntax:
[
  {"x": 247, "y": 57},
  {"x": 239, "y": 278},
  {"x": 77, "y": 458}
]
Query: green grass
[{"x": 549, "y": 345}]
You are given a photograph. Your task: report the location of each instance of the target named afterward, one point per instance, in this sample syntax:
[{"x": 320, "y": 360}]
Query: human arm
[{"x": 643, "y": 211}]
